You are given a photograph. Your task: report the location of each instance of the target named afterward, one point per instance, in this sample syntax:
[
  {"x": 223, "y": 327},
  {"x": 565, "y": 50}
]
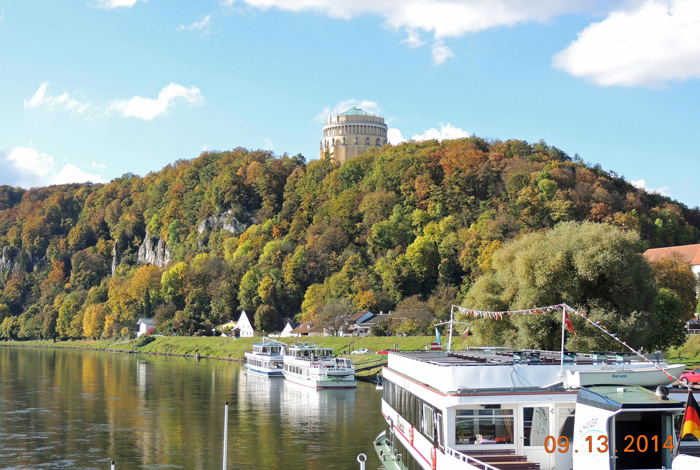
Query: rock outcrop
[
  {"x": 6, "y": 260},
  {"x": 154, "y": 251},
  {"x": 225, "y": 220},
  {"x": 115, "y": 259}
]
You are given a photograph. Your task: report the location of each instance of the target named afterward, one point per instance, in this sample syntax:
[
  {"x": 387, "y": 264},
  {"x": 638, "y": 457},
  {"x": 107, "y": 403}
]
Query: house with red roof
[{"x": 688, "y": 253}]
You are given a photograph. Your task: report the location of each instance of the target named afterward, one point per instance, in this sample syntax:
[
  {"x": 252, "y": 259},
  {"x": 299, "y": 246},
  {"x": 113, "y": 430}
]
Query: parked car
[
  {"x": 386, "y": 351},
  {"x": 360, "y": 351},
  {"x": 692, "y": 377}
]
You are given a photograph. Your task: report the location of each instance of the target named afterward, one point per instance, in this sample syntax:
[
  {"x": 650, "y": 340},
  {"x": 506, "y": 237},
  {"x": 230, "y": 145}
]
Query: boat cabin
[
  {"x": 269, "y": 347},
  {"x": 620, "y": 428},
  {"x": 309, "y": 351}
]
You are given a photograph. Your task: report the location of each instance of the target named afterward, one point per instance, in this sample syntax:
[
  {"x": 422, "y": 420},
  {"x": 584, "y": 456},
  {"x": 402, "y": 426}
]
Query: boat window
[
  {"x": 440, "y": 436},
  {"x": 490, "y": 426},
  {"x": 535, "y": 425},
  {"x": 428, "y": 422}
]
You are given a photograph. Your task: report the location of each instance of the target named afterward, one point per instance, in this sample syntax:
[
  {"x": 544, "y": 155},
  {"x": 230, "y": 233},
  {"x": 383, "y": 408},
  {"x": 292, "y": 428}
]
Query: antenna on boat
[{"x": 451, "y": 323}]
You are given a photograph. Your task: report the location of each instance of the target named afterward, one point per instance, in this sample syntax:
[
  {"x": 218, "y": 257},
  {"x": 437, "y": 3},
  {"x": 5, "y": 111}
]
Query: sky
[{"x": 93, "y": 89}]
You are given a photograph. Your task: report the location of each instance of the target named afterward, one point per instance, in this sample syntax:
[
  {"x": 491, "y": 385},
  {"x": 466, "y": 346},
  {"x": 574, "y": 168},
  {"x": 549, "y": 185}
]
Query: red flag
[
  {"x": 466, "y": 333},
  {"x": 691, "y": 418},
  {"x": 569, "y": 325}
]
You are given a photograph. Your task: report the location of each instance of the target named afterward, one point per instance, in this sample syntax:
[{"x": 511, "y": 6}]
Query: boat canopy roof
[{"x": 614, "y": 398}]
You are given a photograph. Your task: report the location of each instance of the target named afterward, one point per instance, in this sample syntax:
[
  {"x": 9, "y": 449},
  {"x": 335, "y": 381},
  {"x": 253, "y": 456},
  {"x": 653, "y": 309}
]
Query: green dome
[{"x": 354, "y": 111}]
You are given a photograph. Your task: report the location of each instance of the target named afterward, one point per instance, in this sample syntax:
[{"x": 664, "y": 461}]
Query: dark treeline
[{"x": 408, "y": 227}]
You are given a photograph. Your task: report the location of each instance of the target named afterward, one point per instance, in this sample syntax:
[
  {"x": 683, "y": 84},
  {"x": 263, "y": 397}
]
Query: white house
[
  {"x": 246, "y": 325},
  {"x": 144, "y": 324},
  {"x": 287, "y": 331}
]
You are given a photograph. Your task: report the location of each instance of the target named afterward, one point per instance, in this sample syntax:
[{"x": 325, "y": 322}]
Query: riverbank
[{"x": 231, "y": 349}]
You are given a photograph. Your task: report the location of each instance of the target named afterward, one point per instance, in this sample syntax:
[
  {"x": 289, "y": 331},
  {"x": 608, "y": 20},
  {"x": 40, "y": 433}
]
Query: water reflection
[{"x": 79, "y": 410}]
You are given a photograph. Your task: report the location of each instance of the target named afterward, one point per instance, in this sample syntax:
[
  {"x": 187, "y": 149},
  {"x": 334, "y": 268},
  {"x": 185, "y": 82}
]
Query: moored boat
[
  {"x": 499, "y": 409},
  {"x": 314, "y": 366},
  {"x": 266, "y": 358}
]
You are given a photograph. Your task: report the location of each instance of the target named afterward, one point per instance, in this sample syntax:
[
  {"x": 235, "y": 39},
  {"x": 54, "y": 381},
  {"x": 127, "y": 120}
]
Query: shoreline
[{"x": 226, "y": 349}]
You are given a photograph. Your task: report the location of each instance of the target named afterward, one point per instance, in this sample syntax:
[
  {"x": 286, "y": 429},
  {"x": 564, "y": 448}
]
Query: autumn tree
[
  {"x": 674, "y": 273},
  {"x": 333, "y": 315}
]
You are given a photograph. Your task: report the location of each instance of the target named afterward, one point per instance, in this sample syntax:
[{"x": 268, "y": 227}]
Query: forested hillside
[{"x": 416, "y": 223}]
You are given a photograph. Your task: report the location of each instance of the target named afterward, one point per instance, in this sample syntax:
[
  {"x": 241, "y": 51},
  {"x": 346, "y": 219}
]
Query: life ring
[
  {"x": 433, "y": 458},
  {"x": 410, "y": 435}
]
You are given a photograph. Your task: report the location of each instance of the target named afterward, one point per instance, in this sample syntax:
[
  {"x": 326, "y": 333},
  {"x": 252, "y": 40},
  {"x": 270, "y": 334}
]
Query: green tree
[
  {"x": 265, "y": 319},
  {"x": 669, "y": 322},
  {"x": 9, "y": 328},
  {"x": 596, "y": 268}
]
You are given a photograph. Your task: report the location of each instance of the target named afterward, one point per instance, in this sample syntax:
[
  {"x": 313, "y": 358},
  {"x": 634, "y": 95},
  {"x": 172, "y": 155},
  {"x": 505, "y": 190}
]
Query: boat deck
[{"x": 480, "y": 357}]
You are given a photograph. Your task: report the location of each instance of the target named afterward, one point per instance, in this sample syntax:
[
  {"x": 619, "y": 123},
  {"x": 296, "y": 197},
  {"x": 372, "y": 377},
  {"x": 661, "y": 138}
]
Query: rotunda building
[{"x": 352, "y": 133}]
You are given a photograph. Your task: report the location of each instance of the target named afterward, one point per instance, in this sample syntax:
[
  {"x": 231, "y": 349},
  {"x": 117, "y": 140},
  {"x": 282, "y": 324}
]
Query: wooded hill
[{"x": 274, "y": 234}]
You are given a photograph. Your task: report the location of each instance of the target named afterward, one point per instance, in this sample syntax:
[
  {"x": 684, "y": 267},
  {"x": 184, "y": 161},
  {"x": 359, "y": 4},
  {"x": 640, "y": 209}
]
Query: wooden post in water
[{"x": 225, "y": 434}]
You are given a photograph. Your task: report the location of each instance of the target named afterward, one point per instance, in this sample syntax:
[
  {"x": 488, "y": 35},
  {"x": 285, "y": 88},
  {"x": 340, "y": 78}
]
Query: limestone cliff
[
  {"x": 6, "y": 260},
  {"x": 225, "y": 220},
  {"x": 154, "y": 251}
]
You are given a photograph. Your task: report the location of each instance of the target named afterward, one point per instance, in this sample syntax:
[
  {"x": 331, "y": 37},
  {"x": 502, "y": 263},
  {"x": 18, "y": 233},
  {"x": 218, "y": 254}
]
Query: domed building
[{"x": 352, "y": 133}]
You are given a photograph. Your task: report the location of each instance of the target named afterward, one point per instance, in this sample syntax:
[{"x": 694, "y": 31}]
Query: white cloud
[
  {"x": 63, "y": 102},
  {"x": 656, "y": 42},
  {"x": 268, "y": 144},
  {"x": 30, "y": 162},
  {"x": 27, "y": 167},
  {"x": 98, "y": 165},
  {"x": 365, "y": 105},
  {"x": 441, "y": 53},
  {"x": 202, "y": 25},
  {"x": 446, "y": 131},
  {"x": 72, "y": 174},
  {"x": 109, "y": 4},
  {"x": 639, "y": 184},
  {"x": 149, "y": 108},
  {"x": 642, "y": 184},
  {"x": 441, "y": 18},
  {"x": 413, "y": 39},
  {"x": 394, "y": 136}
]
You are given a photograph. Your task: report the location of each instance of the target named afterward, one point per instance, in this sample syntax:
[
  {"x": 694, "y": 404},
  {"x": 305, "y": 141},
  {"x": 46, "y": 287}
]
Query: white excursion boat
[
  {"x": 483, "y": 409},
  {"x": 314, "y": 366},
  {"x": 499, "y": 409},
  {"x": 266, "y": 358}
]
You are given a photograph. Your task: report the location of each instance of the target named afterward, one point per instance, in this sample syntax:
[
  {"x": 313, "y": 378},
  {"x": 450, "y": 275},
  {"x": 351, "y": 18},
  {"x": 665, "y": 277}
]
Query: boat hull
[
  {"x": 264, "y": 372},
  {"x": 319, "y": 384}
]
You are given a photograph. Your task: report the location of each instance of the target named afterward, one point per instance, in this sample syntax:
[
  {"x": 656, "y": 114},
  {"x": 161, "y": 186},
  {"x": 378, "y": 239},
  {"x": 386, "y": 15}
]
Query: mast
[{"x": 451, "y": 323}]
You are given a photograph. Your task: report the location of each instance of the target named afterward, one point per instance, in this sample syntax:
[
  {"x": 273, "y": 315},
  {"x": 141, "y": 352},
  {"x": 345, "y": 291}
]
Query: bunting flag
[
  {"x": 569, "y": 325},
  {"x": 691, "y": 418},
  {"x": 554, "y": 308},
  {"x": 466, "y": 333}
]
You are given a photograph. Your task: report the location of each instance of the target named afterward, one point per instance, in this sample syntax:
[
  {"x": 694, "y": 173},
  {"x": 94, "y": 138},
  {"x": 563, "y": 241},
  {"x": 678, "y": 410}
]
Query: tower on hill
[{"x": 352, "y": 133}]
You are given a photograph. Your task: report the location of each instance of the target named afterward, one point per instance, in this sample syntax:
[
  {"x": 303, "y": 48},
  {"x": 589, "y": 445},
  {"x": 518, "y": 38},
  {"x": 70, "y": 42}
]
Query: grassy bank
[
  {"x": 688, "y": 354},
  {"x": 234, "y": 349}
]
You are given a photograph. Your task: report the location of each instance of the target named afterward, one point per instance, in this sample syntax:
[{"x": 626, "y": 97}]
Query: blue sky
[{"x": 92, "y": 89}]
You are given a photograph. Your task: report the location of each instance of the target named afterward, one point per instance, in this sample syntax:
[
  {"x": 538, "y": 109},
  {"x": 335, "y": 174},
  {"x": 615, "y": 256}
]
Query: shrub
[{"x": 143, "y": 340}]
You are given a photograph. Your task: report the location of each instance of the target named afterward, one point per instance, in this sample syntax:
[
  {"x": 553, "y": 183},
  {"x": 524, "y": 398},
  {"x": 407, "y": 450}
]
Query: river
[{"x": 66, "y": 409}]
